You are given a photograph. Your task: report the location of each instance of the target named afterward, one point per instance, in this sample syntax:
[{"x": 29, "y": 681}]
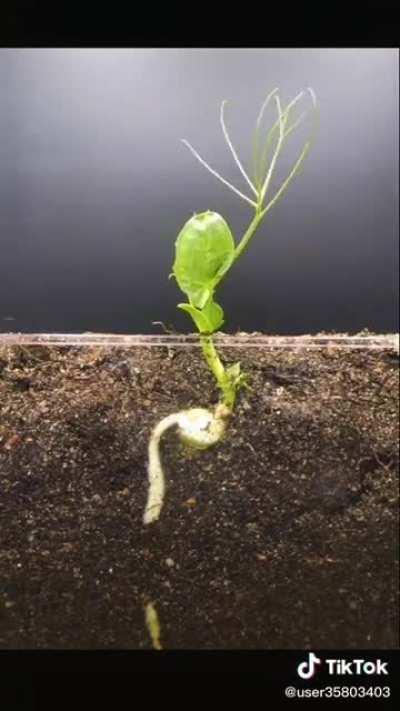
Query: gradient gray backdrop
[{"x": 95, "y": 185}]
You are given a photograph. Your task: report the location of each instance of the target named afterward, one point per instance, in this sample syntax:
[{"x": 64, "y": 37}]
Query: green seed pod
[{"x": 204, "y": 251}]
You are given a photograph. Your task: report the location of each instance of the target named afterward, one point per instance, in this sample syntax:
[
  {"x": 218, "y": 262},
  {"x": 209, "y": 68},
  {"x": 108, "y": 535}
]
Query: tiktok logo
[{"x": 307, "y": 669}]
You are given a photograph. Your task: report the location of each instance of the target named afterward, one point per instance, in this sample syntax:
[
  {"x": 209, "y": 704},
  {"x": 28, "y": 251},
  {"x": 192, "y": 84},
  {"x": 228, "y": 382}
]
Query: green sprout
[{"x": 205, "y": 251}]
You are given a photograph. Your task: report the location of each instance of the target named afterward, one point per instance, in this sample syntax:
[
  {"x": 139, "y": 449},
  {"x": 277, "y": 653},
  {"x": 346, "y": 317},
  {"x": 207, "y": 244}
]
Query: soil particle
[{"x": 282, "y": 536}]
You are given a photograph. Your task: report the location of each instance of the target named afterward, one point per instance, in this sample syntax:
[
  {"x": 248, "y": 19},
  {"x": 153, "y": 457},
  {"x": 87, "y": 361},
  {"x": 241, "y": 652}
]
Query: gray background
[{"x": 95, "y": 185}]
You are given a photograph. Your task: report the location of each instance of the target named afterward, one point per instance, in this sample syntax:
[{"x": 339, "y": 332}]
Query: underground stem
[{"x": 218, "y": 370}]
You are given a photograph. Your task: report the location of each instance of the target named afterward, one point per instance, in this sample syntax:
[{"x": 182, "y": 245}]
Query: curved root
[{"x": 198, "y": 428}]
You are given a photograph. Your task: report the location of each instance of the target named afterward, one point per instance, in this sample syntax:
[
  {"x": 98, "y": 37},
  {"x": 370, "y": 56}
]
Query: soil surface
[{"x": 282, "y": 536}]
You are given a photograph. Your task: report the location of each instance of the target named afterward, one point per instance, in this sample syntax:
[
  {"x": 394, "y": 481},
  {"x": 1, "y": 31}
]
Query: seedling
[{"x": 205, "y": 251}]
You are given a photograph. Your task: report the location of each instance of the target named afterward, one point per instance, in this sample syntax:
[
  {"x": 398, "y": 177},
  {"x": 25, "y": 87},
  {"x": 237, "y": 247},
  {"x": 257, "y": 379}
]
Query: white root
[
  {"x": 155, "y": 472},
  {"x": 153, "y": 625},
  {"x": 198, "y": 428}
]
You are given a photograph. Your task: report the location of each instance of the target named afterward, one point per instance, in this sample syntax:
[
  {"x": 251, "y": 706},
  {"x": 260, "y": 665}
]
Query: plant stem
[
  {"x": 214, "y": 363},
  {"x": 257, "y": 219},
  {"x": 261, "y": 211}
]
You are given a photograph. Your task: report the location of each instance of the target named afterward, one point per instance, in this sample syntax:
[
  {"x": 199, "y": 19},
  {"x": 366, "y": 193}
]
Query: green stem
[
  {"x": 261, "y": 211},
  {"x": 214, "y": 363},
  {"x": 257, "y": 219}
]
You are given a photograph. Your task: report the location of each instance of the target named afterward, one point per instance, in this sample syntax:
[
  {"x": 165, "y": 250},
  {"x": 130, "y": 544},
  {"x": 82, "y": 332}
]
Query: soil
[{"x": 282, "y": 536}]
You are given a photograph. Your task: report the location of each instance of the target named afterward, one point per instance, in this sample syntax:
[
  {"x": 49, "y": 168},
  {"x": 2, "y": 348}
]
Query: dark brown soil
[{"x": 283, "y": 536}]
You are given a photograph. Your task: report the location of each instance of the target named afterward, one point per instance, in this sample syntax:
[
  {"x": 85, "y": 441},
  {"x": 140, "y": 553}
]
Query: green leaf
[
  {"x": 208, "y": 319},
  {"x": 197, "y": 316},
  {"x": 214, "y": 314},
  {"x": 236, "y": 376},
  {"x": 204, "y": 251},
  {"x": 234, "y": 371}
]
